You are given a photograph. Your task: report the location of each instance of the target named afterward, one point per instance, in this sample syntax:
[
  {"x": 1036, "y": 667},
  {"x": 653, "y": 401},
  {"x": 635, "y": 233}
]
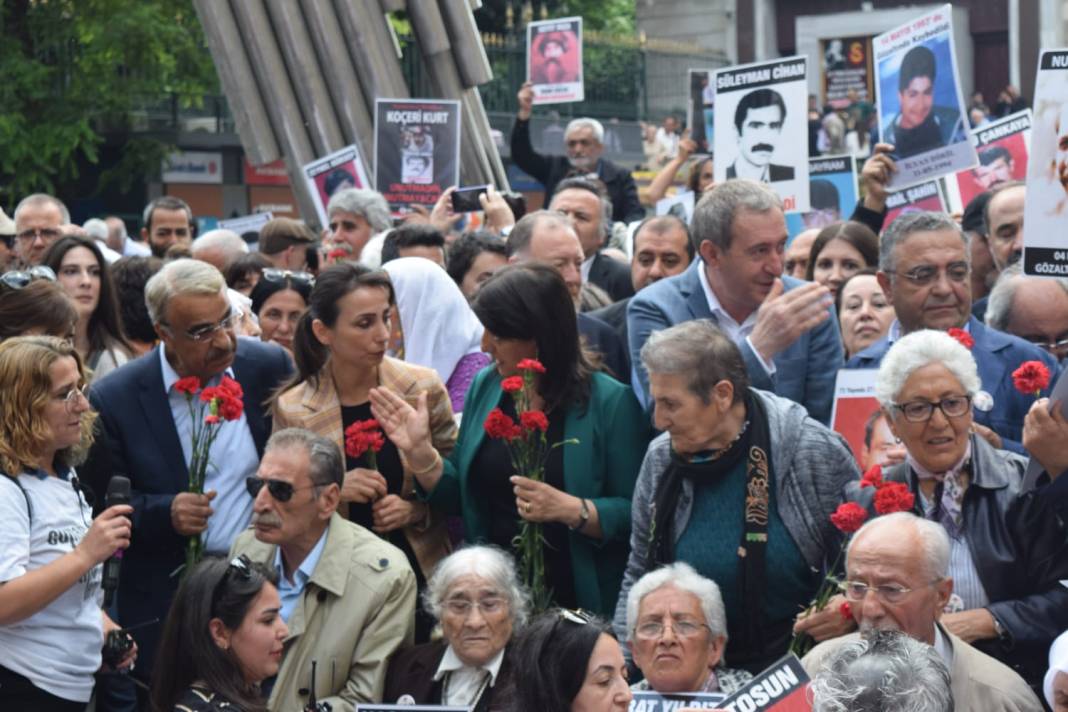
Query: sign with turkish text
[
  {"x": 1045, "y": 248},
  {"x": 329, "y": 174},
  {"x": 554, "y": 60},
  {"x": 417, "y": 150}
]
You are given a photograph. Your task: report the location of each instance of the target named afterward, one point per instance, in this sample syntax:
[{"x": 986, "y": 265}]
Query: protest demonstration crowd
[{"x": 779, "y": 430}]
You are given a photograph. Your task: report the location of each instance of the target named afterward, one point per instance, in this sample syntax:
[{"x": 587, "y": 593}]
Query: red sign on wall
[{"x": 273, "y": 173}]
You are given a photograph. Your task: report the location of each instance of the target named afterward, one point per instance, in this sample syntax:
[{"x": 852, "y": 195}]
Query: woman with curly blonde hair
[{"x": 51, "y": 625}]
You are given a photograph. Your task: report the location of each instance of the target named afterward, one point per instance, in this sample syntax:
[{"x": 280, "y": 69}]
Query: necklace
[{"x": 711, "y": 455}]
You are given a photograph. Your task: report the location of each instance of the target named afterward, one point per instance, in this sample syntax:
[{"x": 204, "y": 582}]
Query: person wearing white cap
[{"x": 1056, "y": 683}]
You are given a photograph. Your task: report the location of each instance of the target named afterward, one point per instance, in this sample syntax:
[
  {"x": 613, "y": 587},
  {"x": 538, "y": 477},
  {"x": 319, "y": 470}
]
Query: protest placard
[
  {"x": 925, "y": 196},
  {"x": 329, "y": 174},
  {"x": 856, "y": 416},
  {"x": 918, "y": 96},
  {"x": 832, "y": 194},
  {"x": 680, "y": 205},
  {"x": 246, "y": 223},
  {"x": 417, "y": 150},
  {"x": 554, "y": 60},
  {"x": 1002, "y": 146},
  {"x": 700, "y": 116},
  {"x": 649, "y": 701},
  {"x": 783, "y": 687},
  {"x": 760, "y": 110},
  {"x": 846, "y": 67},
  {"x": 1045, "y": 249}
]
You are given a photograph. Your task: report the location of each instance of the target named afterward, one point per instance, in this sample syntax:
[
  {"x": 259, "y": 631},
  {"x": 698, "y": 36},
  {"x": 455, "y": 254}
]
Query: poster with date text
[{"x": 554, "y": 60}]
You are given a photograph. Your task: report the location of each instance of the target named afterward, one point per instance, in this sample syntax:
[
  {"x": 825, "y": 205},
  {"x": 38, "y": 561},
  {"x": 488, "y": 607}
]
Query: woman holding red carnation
[
  {"x": 584, "y": 502},
  {"x": 1009, "y": 550},
  {"x": 340, "y": 351}
]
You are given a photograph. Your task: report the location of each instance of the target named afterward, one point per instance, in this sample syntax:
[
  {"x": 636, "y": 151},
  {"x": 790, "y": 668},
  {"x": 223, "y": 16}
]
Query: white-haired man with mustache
[
  {"x": 896, "y": 579},
  {"x": 347, "y": 596}
]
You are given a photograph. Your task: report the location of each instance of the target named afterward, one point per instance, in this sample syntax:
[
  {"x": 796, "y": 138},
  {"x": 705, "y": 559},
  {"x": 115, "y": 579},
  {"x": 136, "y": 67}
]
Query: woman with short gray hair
[
  {"x": 740, "y": 486},
  {"x": 476, "y": 596}
]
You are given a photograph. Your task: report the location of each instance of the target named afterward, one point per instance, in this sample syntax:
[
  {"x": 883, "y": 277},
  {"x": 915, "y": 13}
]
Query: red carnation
[
  {"x": 893, "y": 497},
  {"x": 963, "y": 338},
  {"x": 1031, "y": 377},
  {"x": 209, "y": 394},
  {"x": 873, "y": 477},
  {"x": 211, "y": 419},
  {"x": 846, "y": 611},
  {"x": 188, "y": 385},
  {"x": 849, "y": 517},
  {"x": 229, "y": 385},
  {"x": 512, "y": 384},
  {"x": 531, "y": 364},
  {"x": 500, "y": 426},
  {"x": 534, "y": 420},
  {"x": 231, "y": 408},
  {"x": 361, "y": 436}
]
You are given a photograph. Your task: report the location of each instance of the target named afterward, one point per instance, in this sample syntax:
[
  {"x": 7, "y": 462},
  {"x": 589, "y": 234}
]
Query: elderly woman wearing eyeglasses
[
  {"x": 51, "y": 625},
  {"x": 476, "y": 596},
  {"x": 1009, "y": 550},
  {"x": 678, "y": 631}
]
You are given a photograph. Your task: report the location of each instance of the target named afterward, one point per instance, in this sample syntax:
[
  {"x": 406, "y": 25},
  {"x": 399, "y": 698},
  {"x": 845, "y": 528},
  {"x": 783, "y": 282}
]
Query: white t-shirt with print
[{"x": 57, "y": 648}]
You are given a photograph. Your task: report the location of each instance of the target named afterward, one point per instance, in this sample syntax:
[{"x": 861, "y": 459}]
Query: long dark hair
[
  {"x": 549, "y": 659},
  {"x": 331, "y": 286},
  {"x": 531, "y": 301},
  {"x": 857, "y": 235},
  {"x": 187, "y": 652},
  {"x": 105, "y": 326}
]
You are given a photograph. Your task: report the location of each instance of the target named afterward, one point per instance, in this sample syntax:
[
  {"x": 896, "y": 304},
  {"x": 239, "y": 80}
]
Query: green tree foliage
[
  {"x": 72, "y": 69},
  {"x": 615, "y": 17}
]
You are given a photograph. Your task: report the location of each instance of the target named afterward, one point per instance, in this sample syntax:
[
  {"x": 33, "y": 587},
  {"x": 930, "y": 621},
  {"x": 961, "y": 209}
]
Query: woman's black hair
[
  {"x": 550, "y": 658},
  {"x": 41, "y": 304},
  {"x": 244, "y": 265},
  {"x": 464, "y": 252},
  {"x": 531, "y": 301},
  {"x": 130, "y": 275},
  {"x": 267, "y": 288},
  {"x": 105, "y": 326},
  {"x": 866, "y": 272},
  {"x": 213, "y": 589},
  {"x": 331, "y": 286},
  {"x": 857, "y": 235}
]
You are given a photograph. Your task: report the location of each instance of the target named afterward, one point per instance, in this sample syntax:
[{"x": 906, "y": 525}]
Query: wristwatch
[
  {"x": 998, "y": 628},
  {"x": 584, "y": 517}
]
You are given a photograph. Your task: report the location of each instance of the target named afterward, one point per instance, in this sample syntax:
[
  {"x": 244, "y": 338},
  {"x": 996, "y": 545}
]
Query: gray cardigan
[{"x": 812, "y": 465}]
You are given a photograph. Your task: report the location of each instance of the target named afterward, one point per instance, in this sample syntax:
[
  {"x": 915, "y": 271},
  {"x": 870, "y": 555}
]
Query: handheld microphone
[{"x": 118, "y": 493}]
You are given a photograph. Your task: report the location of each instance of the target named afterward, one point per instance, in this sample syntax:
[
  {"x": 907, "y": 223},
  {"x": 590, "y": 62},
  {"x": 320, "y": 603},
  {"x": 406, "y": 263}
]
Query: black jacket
[
  {"x": 612, "y": 276},
  {"x": 1020, "y": 550},
  {"x": 550, "y": 170},
  {"x": 411, "y": 672}
]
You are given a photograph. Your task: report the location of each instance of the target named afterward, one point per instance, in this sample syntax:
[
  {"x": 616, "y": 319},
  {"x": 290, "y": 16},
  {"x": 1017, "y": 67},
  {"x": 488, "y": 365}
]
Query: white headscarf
[
  {"x": 1058, "y": 662},
  {"x": 438, "y": 324}
]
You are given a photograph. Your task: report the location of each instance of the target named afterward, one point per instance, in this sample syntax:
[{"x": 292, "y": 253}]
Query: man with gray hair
[
  {"x": 120, "y": 241},
  {"x": 359, "y": 220},
  {"x": 219, "y": 248},
  {"x": 39, "y": 221},
  {"x": 924, "y": 269},
  {"x": 584, "y": 142},
  {"x": 347, "y": 596},
  {"x": 1033, "y": 308},
  {"x": 896, "y": 579},
  {"x": 783, "y": 326},
  {"x": 149, "y": 427},
  {"x": 167, "y": 221}
]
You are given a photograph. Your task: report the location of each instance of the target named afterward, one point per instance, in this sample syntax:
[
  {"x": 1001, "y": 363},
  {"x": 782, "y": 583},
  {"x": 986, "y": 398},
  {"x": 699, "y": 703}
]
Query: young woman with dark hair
[
  {"x": 222, "y": 638},
  {"x": 841, "y": 250},
  {"x": 83, "y": 272},
  {"x": 584, "y": 501},
  {"x": 35, "y": 306}
]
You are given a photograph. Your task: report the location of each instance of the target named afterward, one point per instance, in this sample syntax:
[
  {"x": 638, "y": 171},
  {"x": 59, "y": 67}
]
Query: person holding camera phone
[{"x": 52, "y": 628}]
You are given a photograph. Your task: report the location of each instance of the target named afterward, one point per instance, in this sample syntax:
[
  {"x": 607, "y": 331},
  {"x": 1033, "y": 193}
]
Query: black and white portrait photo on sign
[
  {"x": 1045, "y": 251},
  {"x": 417, "y": 150},
  {"x": 920, "y": 104},
  {"x": 760, "y": 111}
]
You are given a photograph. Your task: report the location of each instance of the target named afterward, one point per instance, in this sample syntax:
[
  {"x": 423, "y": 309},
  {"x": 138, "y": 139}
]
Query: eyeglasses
[
  {"x": 887, "y": 593},
  {"x": 17, "y": 279},
  {"x": 203, "y": 333},
  {"x": 281, "y": 275},
  {"x": 683, "y": 628},
  {"x": 47, "y": 234},
  {"x": 576, "y": 616},
  {"x": 920, "y": 411},
  {"x": 70, "y": 398},
  {"x": 278, "y": 489},
  {"x": 240, "y": 566},
  {"x": 1054, "y": 347},
  {"x": 462, "y": 606},
  {"x": 925, "y": 275}
]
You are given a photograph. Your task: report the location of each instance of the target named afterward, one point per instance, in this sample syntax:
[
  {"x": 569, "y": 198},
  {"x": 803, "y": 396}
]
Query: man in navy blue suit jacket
[
  {"x": 147, "y": 423},
  {"x": 785, "y": 328},
  {"x": 925, "y": 271}
]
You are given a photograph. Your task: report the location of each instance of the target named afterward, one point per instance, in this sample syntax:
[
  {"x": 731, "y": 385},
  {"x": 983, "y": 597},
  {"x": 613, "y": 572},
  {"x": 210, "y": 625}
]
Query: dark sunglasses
[
  {"x": 279, "y": 490},
  {"x": 17, "y": 279},
  {"x": 281, "y": 275}
]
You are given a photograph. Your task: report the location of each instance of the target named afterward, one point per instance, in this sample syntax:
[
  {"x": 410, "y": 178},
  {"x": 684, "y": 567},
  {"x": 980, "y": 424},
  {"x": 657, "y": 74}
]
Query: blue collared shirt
[
  {"x": 291, "y": 591},
  {"x": 233, "y": 457}
]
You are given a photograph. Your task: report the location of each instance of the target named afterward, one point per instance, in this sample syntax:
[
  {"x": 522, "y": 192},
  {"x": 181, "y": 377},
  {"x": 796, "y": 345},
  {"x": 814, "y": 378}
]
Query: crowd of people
[{"x": 687, "y": 523}]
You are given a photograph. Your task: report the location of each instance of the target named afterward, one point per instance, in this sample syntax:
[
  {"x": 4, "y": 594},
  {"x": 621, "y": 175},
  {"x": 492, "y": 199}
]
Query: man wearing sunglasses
[
  {"x": 39, "y": 221},
  {"x": 149, "y": 425},
  {"x": 925, "y": 270},
  {"x": 896, "y": 579},
  {"x": 348, "y": 596}
]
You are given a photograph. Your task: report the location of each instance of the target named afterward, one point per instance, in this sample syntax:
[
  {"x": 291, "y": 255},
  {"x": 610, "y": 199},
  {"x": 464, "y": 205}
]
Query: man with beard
[
  {"x": 896, "y": 579},
  {"x": 149, "y": 429},
  {"x": 758, "y": 119},
  {"x": 168, "y": 221},
  {"x": 584, "y": 142},
  {"x": 919, "y": 125},
  {"x": 995, "y": 167}
]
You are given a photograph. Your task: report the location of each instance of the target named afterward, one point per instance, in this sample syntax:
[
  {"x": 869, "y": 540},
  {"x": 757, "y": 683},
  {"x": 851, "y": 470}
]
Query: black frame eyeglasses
[
  {"x": 920, "y": 411},
  {"x": 278, "y": 489}
]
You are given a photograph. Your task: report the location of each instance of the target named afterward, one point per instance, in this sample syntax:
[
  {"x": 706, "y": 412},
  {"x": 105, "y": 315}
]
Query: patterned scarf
[{"x": 945, "y": 506}]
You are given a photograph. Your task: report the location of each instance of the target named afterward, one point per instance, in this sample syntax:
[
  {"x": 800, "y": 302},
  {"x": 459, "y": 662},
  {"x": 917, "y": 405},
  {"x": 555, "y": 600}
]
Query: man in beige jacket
[
  {"x": 896, "y": 580},
  {"x": 348, "y": 597}
]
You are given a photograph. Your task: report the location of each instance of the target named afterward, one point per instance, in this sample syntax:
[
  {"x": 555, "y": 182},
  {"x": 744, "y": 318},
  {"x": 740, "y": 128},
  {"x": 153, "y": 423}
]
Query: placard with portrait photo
[
  {"x": 1045, "y": 249},
  {"x": 337, "y": 171},
  {"x": 417, "y": 150},
  {"x": 760, "y": 111},
  {"x": 859, "y": 419},
  {"x": 554, "y": 60},
  {"x": 919, "y": 100},
  {"x": 924, "y": 196},
  {"x": 832, "y": 194},
  {"x": 1002, "y": 146}
]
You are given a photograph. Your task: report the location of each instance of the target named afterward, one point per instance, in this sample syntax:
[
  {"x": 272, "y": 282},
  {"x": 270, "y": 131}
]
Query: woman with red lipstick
[
  {"x": 83, "y": 273},
  {"x": 223, "y": 637}
]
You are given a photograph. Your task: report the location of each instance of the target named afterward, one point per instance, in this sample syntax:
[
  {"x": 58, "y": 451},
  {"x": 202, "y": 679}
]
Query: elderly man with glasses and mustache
[
  {"x": 149, "y": 426},
  {"x": 896, "y": 571},
  {"x": 347, "y": 596}
]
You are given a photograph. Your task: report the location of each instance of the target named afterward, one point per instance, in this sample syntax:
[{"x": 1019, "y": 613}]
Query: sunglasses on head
[
  {"x": 576, "y": 616},
  {"x": 240, "y": 567},
  {"x": 279, "y": 490},
  {"x": 17, "y": 279},
  {"x": 272, "y": 274}
]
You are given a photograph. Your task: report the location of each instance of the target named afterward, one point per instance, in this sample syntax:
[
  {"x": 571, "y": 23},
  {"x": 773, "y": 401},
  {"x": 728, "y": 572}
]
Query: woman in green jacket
[{"x": 584, "y": 500}]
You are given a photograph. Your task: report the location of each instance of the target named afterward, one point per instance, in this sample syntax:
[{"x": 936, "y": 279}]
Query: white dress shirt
[
  {"x": 465, "y": 685},
  {"x": 738, "y": 333}
]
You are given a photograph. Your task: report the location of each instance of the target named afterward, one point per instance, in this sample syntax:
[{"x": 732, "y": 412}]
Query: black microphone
[{"x": 118, "y": 493}]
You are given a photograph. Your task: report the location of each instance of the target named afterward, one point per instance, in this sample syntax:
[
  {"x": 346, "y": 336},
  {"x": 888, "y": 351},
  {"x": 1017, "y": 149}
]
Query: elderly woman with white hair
[
  {"x": 476, "y": 596},
  {"x": 677, "y": 631},
  {"x": 1009, "y": 550},
  {"x": 359, "y": 220}
]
